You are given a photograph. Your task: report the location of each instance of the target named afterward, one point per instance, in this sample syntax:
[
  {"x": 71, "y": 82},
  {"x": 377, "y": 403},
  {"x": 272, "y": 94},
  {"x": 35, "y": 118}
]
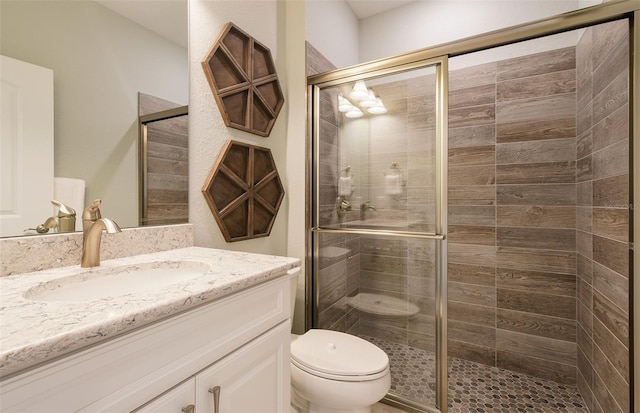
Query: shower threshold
[{"x": 475, "y": 387}]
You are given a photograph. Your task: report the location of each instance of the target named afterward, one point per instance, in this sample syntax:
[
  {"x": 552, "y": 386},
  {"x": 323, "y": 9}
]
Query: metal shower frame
[{"x": 438, "y": 56}]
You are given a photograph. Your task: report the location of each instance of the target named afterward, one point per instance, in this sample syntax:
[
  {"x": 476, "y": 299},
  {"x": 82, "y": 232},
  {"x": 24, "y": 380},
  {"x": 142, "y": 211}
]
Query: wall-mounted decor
[
  {"x": 243, "y": 79},
  {"x": 244, "y": 191}
]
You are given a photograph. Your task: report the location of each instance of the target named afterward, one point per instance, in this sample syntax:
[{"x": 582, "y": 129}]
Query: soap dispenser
[{"x": 66, "y": 217}]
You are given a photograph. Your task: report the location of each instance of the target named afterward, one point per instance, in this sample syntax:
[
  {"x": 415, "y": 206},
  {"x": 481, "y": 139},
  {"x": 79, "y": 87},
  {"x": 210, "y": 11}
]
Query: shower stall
[{"x": 470, "y": 215}]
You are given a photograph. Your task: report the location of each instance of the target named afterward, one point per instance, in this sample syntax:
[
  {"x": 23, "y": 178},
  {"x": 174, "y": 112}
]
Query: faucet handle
[
  {"x": 92, "y": 212},
  {"x": 63, "y": 210},
  {"x": 66, "y": 217}
]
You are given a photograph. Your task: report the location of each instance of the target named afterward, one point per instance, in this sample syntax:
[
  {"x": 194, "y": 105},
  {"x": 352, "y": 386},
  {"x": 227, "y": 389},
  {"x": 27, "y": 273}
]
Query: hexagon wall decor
[
  {"x": 244, "y": 191},
  {"x": 243, "y": 79}
]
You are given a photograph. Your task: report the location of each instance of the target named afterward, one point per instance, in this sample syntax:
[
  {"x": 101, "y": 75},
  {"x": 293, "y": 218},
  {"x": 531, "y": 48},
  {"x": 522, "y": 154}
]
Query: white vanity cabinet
[
  {"x": 251, "y": 379},
  {"x": 179, "y": 399},
  {"x": 239, "y": 343},
  {"x": 248, "y": 380}
]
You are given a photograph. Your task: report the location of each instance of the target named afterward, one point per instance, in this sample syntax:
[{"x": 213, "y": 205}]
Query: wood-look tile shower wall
[
  {"x": 603, "y": 217},
  {"x": 512, "y": 214},
  {"x": 402, "y": 268},
  {"x": 538, "y": 220}
]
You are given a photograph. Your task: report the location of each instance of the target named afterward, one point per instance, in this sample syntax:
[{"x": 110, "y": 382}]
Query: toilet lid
[{"x": 338, "y": 354}]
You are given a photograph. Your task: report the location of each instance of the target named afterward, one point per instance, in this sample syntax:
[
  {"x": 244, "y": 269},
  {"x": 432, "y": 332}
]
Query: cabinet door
[
  {"x": 177, "y": 400},
  {"x": 254, "y": 378}
]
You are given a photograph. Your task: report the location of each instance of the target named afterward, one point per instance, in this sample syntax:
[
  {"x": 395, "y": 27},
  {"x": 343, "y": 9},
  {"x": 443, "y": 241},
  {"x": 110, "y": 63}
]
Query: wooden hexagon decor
[
  {"x": 244, "y": 191},
  {"x": 243, "y": 79}
]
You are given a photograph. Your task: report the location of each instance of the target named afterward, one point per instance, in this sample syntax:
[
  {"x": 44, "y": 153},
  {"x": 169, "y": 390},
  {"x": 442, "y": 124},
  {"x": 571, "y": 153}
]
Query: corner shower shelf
[
  {"x": 382, "y": 305},
  {"x": 243, "y": 79},
  {"x": 244, "y": 191}
]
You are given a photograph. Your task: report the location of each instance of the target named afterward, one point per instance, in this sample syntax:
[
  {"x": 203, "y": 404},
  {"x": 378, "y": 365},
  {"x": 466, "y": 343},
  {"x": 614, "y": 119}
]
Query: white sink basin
[{"x": 104, "y": 282}]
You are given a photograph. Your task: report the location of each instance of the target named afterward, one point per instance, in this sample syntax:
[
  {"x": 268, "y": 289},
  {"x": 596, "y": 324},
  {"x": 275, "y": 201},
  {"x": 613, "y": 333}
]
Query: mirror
[{"x": 101, "y": 60}]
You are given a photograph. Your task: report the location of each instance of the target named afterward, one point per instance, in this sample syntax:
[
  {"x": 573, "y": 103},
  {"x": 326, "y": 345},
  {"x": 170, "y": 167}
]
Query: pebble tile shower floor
[{"x": 475, "y": 387}]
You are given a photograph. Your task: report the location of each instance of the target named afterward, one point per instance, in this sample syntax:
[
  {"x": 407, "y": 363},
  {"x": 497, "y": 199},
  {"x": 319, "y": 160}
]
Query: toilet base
[
  {"x": 319, "y": 409},
  {"x": 300, "y": 405}
]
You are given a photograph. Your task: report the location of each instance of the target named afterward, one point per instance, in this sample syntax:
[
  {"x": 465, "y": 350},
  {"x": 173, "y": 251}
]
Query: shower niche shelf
[
  {"x": 244, "y": 82},
  {"x": 244, "y": 191}
]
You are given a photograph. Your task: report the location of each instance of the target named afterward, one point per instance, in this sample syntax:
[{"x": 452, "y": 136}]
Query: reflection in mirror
[
  {"x": 377, "y": 163},
  {"x": 164, "y": 162},
  {"x": 27, "y": 109},
  {"x": 100, "y": 61}
]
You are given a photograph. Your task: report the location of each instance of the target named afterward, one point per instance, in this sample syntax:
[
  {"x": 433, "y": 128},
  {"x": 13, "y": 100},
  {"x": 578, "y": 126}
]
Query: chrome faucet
[
  {"x": 92, "y": 226},
  {"x": 363, "y": 209}
]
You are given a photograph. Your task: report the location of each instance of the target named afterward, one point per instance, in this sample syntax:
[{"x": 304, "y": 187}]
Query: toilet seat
[{"x": 338, "y": 356}]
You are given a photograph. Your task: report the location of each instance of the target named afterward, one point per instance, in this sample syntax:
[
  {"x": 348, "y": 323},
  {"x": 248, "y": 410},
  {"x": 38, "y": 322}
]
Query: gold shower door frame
[
  {"x": 390, "y": 67},
  {"x": 438, "y": 56}
]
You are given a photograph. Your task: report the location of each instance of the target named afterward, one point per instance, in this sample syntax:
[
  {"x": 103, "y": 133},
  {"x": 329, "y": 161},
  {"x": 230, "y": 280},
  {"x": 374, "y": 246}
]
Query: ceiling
[
  {"x": 366, "y": 8},
  {"x": 168, "y": 18}
]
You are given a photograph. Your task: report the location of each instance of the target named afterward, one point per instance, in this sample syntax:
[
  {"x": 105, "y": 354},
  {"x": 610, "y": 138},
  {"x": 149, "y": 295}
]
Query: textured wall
[
  {"x": 603, "y": 217},
  {"x": 264, "y": 21}
]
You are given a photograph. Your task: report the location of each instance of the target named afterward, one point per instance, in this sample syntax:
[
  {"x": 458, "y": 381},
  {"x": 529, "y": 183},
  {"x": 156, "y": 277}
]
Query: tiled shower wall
[
  {"x": 603, "y": 218},
  {"x": 397, "y": 267},
  {"x": 512, "y": 215},
  {"x": 538, "y": 219}
]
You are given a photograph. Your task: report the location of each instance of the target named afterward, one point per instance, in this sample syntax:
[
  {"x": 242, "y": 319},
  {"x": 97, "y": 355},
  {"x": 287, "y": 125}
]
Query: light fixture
[
  {"x": 359, "y": 91},
  {"x": 354, "y": 113},
  {"x": 343, "y": 104},
  {"x": 360, "y": 97},
  {"x": 378, "y": 108},
  {"x": 369, "y": 101}
]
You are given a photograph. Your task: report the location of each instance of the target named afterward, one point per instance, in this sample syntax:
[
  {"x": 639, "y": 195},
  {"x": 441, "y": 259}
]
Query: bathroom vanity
[{"x": 215, "y": 337}]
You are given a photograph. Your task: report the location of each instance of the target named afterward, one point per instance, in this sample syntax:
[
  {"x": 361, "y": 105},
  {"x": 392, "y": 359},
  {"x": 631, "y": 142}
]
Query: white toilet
[{"x": 333, "y": 372}]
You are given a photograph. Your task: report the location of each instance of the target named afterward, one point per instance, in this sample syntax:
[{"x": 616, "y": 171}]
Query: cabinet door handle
[
  {"x": 189, "y": 409},
  {"x": 216, "y": 398}
]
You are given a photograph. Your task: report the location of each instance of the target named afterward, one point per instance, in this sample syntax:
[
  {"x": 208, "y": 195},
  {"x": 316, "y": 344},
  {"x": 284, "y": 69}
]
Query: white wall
[
  {"x": 100, "y": 62},
  {"x": 295, "y": 87},
  {"x": 207, "y": 131},
  {"x": 337, "y": 33},
  {"x": 333, "y": 29},
  {"x": 280, "y": 26},
  {"x": 429, "y": 23}
]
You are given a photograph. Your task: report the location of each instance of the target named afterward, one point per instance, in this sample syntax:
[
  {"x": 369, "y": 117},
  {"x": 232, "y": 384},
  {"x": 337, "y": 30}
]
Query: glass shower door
[{"x": 379, "y": 220}]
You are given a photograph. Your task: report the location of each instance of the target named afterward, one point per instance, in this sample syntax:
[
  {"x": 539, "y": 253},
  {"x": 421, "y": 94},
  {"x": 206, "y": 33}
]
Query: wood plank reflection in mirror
[{"x": 164, "y": 163}]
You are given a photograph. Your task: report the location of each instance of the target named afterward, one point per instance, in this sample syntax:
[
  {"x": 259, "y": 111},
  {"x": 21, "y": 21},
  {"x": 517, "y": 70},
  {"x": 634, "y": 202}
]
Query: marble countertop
[{"x": 34, "y": 331}]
